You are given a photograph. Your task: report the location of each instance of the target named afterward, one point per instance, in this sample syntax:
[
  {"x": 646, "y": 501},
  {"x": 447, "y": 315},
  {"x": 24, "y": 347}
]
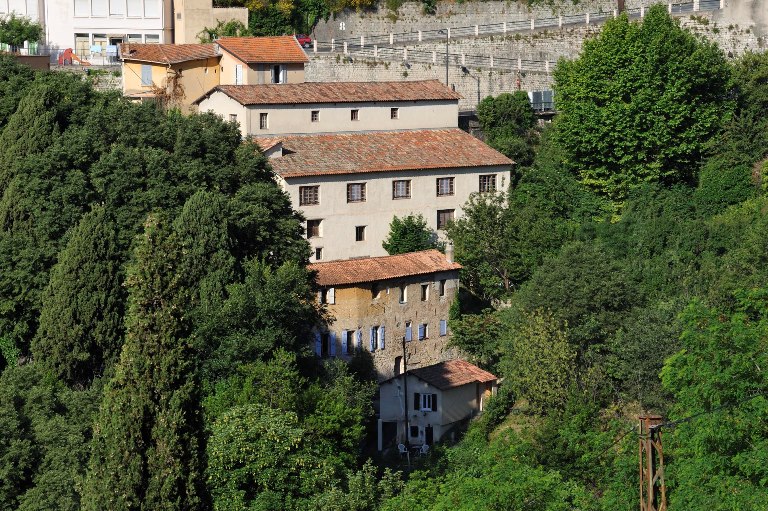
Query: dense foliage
[{"x": 410, "y": 234}]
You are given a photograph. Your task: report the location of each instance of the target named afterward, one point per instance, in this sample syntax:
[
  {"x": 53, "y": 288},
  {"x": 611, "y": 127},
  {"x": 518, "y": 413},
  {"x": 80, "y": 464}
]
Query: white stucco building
[{"x": 420, "y": 406}]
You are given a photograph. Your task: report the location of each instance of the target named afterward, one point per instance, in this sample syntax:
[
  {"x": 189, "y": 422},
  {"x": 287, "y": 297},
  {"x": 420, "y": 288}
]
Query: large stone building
[{"x": 388, "y": 305}]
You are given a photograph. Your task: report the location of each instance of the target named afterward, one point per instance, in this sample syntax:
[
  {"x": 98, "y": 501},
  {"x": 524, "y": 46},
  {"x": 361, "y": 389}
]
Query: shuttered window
[
  {"x": 443, "y": 327},
  {"x": 146, "y": 75},
  {"x": 345, "y": 342},
  {"x": 332, "y": 342},
  {"x": 381, "y": 337},
  {"x": 408, "y": 331}
]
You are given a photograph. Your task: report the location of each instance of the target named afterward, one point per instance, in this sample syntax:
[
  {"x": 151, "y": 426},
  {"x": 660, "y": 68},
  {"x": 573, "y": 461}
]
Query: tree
[
  {"x": 410, "y": 234},
  {"x": 719, "y": 379},
  {"x": 147, "y": 446},
  {"x": 640, "y": 104},
  {"x": 14, "y": 30},
  {"x": 81, "y": 320},
  {"x": 508, "y": 123},
  {"x": 231, "y": 28}
]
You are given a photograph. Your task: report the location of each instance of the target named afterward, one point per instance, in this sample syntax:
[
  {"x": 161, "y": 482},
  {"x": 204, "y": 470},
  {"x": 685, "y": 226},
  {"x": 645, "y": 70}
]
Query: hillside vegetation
[{"x": 155, "y": 307}]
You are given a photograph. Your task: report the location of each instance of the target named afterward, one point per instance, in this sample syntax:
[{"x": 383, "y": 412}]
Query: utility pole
[
  {"x": 446, "y": 53},
  {"x": 653, "y": 491}
]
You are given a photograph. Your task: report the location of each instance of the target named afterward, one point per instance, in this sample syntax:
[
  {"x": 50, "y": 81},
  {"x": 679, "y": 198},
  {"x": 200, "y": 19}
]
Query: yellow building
[{"x": 175, "y": 74}]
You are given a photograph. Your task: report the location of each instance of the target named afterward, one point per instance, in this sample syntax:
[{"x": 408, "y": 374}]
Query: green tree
[
  {"x": 718, "y": 457},
  {"x": 231, "y": 28},
  {"x": 640, "y": 103},
  {"x": 410, "y": 234},
  {"x": 14, "y": 30},
  {"x": 508, "y": 123},
  {"x": 147, "y": 446},
  {"x": 81, "y": 323}
]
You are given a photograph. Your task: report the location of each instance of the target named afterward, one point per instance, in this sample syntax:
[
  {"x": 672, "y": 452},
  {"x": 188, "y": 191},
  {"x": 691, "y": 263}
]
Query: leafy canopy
[{"x": 410, "y": 234}]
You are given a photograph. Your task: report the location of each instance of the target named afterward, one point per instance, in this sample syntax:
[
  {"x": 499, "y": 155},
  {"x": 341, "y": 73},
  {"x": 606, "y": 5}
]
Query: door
[{"x": 429, "y": 434}]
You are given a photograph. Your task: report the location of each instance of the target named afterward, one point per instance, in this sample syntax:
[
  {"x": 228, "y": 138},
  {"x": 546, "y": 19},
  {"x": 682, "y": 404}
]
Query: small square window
[
  {"x": 263, "y": 121},
  {"x": 309, "y": 195},
  {"x": 424, "y": 292},
  {"x": 401, "y": 189},
  {"x": 444, "y": 186},
  {"x": 315, "y": 116},
  {"x": 178, "y": 15},
  {"x": 394, "y": 113},
  {"x": 355, "y": 114},
  {"x": 318, "y": 253},
  {"x": 488, "y": 183},
  {"x": 313, "y": 228},
  {"x": 356, "y": 192},
  {"x": 442, "y": 287},
  {"x": 360, "y": 233},
  {"x": 232, "y": 117},
  {"x": 444, "y": 217},
  {"x": 403, "y": 294}
]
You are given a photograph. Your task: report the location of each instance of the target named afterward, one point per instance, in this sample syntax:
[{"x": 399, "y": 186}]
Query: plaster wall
[
  {"x": 224, "y": 106},
  {"x": 340, "y": 218},
  {"x": 192, "y": 16}
]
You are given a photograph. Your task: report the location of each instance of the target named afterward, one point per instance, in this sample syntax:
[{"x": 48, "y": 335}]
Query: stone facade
[{"x": 360, "y": 309}]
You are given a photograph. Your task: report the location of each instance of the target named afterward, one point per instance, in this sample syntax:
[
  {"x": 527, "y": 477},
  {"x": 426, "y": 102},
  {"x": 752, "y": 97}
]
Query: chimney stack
[{"x": 449, "y": 251}]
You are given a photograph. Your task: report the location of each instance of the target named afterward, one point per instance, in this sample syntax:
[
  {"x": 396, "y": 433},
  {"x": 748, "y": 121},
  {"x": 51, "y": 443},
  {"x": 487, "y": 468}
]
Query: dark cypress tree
[
  {"x": 147, "y": 447},
  {"x": 81, "y": 326}
]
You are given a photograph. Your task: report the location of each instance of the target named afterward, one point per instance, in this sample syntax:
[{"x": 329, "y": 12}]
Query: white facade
[{"x": 340, "y": 219}]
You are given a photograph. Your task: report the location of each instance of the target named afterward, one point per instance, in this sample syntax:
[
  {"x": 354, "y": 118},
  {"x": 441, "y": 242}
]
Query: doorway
[{"x": 429, "y": 435}]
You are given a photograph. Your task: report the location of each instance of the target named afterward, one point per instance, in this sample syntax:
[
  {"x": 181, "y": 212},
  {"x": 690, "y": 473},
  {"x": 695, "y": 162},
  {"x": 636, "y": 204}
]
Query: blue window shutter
[
  {"x": 422, "y": 333},
  {"x": 373, "y": 345},
  {"x": 318, "y": 344},
  {"x": 146, "y": 74},
  {"x": 359, "y": 338},
  {"x": 345, "y": 342},
  {"x": 408, "y": 333},
  {"x": 333, "y": 344},
  {"x": 381, "y": 337},
  {"x": 443, "y": 327}
]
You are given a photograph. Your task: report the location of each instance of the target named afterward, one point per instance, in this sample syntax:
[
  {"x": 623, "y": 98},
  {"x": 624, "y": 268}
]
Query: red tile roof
[
  {"x": 166, "y": 53},
  {"x": 273, "y": 50},
  {"x": 336, "y": 92},
  {"x": 381, "y": 151},
  {"x": 374, "y": 269},
  {"x": 452, "y": 374}
]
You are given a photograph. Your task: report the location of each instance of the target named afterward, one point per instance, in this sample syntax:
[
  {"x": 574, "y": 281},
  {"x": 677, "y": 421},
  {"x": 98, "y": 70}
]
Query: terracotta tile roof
[
  {"x": 337, "y": 92},
  {"x": 381, "y": 151},
  {"x": 374, "y": 269},
  {"x": 452, "y": 374},
  {"x": 166, "y": 53},
  {"x": 273, "y": 50}
]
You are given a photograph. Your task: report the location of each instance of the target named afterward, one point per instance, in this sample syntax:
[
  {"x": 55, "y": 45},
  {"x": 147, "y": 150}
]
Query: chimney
[{"x": 449, "y": 251}]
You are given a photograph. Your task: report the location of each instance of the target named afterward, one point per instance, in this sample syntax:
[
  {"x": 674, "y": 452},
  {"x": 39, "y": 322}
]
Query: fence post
[
  {"x": 587, "y": 18},
  {"x": 391, "y": 39},
  {"x": 362, "y": 42},
  {"x": 519, "y": 64},
  {"x": 477, "y": 30},
  {"x": 434, "y": 57},
  {"x": 533, "y": 24},
  {"x": 449, "y": 32},
  {"x": 614, "y": 13},
  {"x": 375, "y": 51},
  {"x": 463, "y": 60},
  {"x": 405, "y": 53},
  {"x": 333, "y": 45},
  {"x": 696, "y": 6},
  {"x": 560, "y": 21},
  {"x": 504, "y": 27},
  {"x": 642, "y": 11},
  {"x": 314, "y": 43},
  {"x": 345, "y": 48},
  {"x": 491, "y": 60},
  {"x": 669, "y": 8},
  {"x": 419, "y": 35},
  {"x": 546, "y": 66},
  {"x": 722, "y": 4}
]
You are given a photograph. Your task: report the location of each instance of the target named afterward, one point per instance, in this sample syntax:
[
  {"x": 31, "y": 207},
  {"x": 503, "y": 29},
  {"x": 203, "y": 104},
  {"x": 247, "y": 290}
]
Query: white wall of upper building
[
  {"x": 341, "y": 117},
  {"x": 226, "y": 108},
  {"x": 339, "y": 219}
]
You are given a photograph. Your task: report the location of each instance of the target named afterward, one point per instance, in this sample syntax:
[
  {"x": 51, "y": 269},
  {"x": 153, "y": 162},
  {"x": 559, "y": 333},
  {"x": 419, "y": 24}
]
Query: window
[
  {"x": 313, "y": 228},
  {"x": 356, "y": 192},
  {"x": 355, "y": 114},
  {"x": 443, "y": 328},
  {"x": 278, "y": 74},
  {"x": 394, "y": 113},
  {"x": 424, "y": 402},
  {"x": 360, "y": 233},
  {"x": 403, "y": 294},
  {"x": 232, "y": 117},
  {"x": 146, "y": 75},
  {"x": 238, "y": 74},
  {"x": 309, "y": 195},
  {"x": 318, "y": 253},
  {"x": 152, "y": 39},
  {"x": 442, "y": 287},
  {"x": 375, "y": 290},
  {"x": 315, "y": 117},
  {"x": 347, "y": 341},
  {"x": 444, "y": 186},
  {"x": 424, "y": 292},
  {"x": 408, "y": 331},
  {"x": 401, "y": 189},
  {"x": 263, "y": 120},
  {"x": 444, "y": 217},
  {"x": 328, "y": 295},
  {"x": 488, "y": 183},
  {"x": 423, "y": 331},
  {"x": 373, "y": 339}
]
